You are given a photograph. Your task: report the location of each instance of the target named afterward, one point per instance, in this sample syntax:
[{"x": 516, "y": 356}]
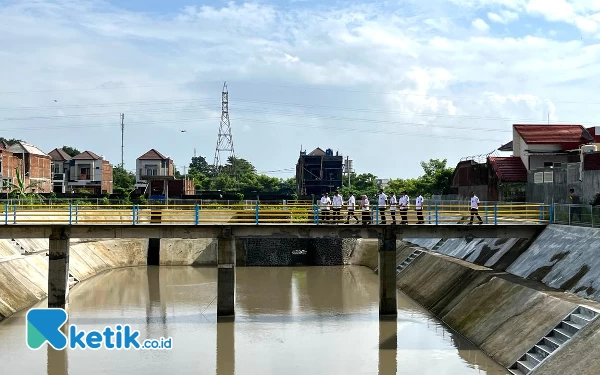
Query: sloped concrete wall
[
  {"x": 502, "y": 314},
  {"x": 564, "y": 257}
]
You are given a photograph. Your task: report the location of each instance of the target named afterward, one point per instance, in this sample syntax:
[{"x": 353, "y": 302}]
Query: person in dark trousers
[
  {"x": 393, "y": 204},
  {"x": 351, "y": 204},
  {"x": 404, "y": 202},
  {"x": 382, "y": 203},
  {"x": 574, "y": 199},
  {"x": 475, "y": 208},
  {"x": 419, "y": 209},
  {"x": 596, "y": 200},
  {"x": 325, "y": 206},
  {"x": 366, "y": 213},
  {"x": 336, "y": 204}
]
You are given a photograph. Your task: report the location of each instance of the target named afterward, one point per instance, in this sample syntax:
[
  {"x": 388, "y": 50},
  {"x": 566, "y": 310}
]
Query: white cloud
[
  {"x": 503, "y": 16},
  {"x": 480, "y": 25},
  {"x": 352, "y": 79}
]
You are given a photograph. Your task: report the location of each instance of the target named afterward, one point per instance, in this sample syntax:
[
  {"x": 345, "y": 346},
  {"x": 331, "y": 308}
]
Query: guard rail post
[
  {"x": 14, "y": 214},
  {"x": 256, "y": 214},
  {"x": 428, "y": 214},
  {"x": 551, "y": 213},
  {"x": 6, "y": 214},
  {"x": 317, "y": 217},
  {"x": 196, "y": 214},
  {"x": 541, "y": 212},
  {"x": 436, "y": 214},
  {"x": 486, "y": 214},
  {"x": 70, "y": 213},
  {"x": 377, "y": 215},
  {"x": 496, "y": 214},
  {"x": 133, "y": 214},
  {"x": 76, "y": 213}
]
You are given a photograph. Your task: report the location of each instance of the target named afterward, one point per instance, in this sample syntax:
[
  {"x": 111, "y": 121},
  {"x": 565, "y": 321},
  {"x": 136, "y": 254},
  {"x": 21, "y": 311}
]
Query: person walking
[
  {"x": 475, "y": 208},
  {"x": 419, "y": 209},
  {"x": 366, "y": 214},
  {"x": 382, "y": 203},
  {"x": 393, "y": 203},
  {"x": 351, "y": 204},
  {"x": 574, "y": 200},
  {"x": 404, "y": 204},
  {"x": 337, "y": 203},
  {"x": 325, "y": 205}
]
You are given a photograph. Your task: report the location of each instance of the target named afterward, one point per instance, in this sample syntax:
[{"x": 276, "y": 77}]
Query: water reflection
[
  {"x": 388, "y": 346},
  {"x": 226, "y": 346},
  {"x": 297, "y": 321},
  {"x": 58, "y": 360}
]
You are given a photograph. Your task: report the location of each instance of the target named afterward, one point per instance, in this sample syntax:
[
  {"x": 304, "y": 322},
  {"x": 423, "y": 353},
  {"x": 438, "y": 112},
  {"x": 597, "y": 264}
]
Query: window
[
  {"x": 548, "y": 164},
  {"x": 84, "y": 173}
]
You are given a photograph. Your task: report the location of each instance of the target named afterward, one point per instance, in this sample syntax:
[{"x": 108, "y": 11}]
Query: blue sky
[{"x": 387, "y": 83}]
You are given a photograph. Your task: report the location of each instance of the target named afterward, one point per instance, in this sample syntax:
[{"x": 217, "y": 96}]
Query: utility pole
[
  {"x": 225, "y": 139},
  {"x": 122, "y": 140}
]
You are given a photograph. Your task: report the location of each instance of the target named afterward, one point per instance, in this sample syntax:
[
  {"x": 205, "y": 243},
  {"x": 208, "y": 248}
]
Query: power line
[
  {"x": 122, "y": 140},
  {"x": 305, "y": 87}
]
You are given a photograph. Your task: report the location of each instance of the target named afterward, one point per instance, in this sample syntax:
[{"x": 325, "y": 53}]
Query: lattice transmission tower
[{"x": 225, "y": 140}]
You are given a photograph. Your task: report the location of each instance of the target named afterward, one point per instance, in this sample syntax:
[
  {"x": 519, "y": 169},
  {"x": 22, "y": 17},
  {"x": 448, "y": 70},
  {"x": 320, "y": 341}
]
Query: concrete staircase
[
  {"x": 414, "y": 255},
  {"x": 553, "y": 341}
]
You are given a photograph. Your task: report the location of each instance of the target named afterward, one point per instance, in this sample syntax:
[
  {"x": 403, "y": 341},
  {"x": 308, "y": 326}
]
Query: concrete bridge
[{"x": 60, "y": 235}]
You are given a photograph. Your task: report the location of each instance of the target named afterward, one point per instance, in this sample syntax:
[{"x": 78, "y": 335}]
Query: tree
[
  {"x": 11, "y": 141},
  {"x": 200, "y": 165},
  {"x": 437, "y": 177},
  {"x": 71, "y": 151},
  {"x": 22, "y": 191},
  {"x": 123, "y": 181}
]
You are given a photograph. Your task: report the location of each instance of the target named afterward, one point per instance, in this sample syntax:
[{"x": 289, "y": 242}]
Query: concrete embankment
[
  {"x": 24, "y": 263},
  {"x": 488, "y": 291}
]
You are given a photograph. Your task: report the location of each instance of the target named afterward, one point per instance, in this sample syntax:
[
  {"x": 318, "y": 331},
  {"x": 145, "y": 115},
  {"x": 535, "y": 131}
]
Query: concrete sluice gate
[{"x": 531, "y": 304}]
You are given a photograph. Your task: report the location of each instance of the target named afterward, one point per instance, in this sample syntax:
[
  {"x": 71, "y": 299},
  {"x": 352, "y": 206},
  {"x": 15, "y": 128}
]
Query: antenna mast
[
  {"x": 225, "y": 140},
  {"x": 122, "y": 140}
]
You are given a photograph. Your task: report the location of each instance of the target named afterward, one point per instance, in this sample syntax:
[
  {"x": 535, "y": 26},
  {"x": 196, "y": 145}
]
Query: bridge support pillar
[
  {"x": 226, "y": 274},
  {"x": 58, "y": 269},
  {"x": 387, "y": 274}
]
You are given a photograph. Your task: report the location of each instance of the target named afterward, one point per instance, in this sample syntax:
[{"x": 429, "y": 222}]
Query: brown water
[{"x": 297, "y": 321}]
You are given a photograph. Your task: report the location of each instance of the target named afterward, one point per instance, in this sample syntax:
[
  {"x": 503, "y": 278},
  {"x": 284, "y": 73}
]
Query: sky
[{"x": 386, "y": 83}]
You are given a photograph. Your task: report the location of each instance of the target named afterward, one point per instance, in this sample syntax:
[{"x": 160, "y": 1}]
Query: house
[
  {"x": 60, "y": 170},
  {"x": 541, "y": 146},
  {"x": 494, "y": 178},
  {"x": 155, "y": 176},
  {"x": 33, "y": 165},
  {"x": 90, "y": 172},
  {"x": 318, "y": 172}
]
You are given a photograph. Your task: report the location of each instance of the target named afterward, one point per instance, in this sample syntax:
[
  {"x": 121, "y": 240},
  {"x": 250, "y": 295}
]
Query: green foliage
[
  {"x": 11, "y": 141},
  {"x": 123, "y": 181},
  {"x": 71, "y": 151},
  {"x": 24, "y": 192}
]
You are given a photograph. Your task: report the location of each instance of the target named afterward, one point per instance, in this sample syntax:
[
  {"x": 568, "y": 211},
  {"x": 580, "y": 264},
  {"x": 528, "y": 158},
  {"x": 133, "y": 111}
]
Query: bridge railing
[
  {"x": 577, "y": 214},
  {"x": 285, "y": 212}
]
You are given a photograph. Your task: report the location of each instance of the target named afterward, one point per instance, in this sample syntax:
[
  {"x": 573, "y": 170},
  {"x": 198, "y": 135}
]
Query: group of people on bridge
[{"x": 331, "y": 208}]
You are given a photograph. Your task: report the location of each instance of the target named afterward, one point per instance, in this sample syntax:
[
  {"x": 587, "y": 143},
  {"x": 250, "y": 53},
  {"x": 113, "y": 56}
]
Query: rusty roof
[
  {"x": 59, "y": 154},
  {"x": 553, "y": 134},
  {"x": 509, "y": 169},
  {"x": 87, "y": 155},
  {"x": 153, "y": 155}
]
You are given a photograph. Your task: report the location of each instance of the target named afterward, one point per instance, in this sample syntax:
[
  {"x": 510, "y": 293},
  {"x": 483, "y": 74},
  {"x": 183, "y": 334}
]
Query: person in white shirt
[
  {"x": 351, "y": 203},
  {"x": 475, "y": 208},
  {"x": 382, "y": 203},
  {"x": 366, "y": 213},
  {"x": 393, "y": 203},
  {"x": 337, "y": 203},
  {"x": 404, "y": 203},
  {"x": 419, "y": 209},
  {"x": 325, "y": 203}
]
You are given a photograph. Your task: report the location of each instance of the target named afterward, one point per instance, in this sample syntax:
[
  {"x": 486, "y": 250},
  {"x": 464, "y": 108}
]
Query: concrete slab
[{"x": 201, "y": 251}]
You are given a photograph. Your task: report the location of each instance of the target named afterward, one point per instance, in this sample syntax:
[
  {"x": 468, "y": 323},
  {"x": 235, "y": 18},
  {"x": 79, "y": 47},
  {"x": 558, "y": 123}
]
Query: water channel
[{"x": 295, "y": 320}]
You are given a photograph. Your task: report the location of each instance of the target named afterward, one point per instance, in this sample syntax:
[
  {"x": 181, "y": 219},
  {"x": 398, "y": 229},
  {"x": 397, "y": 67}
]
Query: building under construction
[{"x": 318, "y": 172}]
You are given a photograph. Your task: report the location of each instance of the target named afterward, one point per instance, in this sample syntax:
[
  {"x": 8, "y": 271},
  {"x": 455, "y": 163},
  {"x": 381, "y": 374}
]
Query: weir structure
[{"x": 226, "y": 235}]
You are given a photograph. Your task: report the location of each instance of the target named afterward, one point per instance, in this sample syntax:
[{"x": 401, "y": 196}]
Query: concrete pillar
[
  {"x": 387, "y": 273},
  {"x": 58, "y": 360},
  {"x": 58, "y": 269},
  {"x": 388, "y": 345},
  {"x": 153, "y": 255},
  {"x": 226, "y": 274}
]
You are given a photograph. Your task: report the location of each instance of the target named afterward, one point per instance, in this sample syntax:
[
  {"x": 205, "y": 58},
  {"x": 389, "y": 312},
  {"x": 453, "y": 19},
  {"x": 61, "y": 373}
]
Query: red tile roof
[
  {"x": 152, "y": 155},
  {"x": 509, "y": 169},
  {"x": 87, "y": 155},
  {"x": 553, "y": 134}
]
